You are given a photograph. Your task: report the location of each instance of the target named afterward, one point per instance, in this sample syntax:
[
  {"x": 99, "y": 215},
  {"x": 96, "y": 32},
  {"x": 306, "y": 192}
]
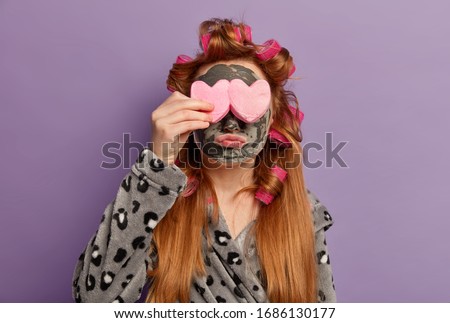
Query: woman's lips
[{"x": 230, "y": 140}]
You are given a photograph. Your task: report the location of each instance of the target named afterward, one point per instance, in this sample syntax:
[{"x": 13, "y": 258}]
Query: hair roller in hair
[
  {"x": 182, "y": 59},
  {"x": 264, "y": 196},
  {"x": 237, "y": 32},
  {"x": 191, "y": 186},
  {"x": 292, "y": 70},
  {"x": 279, "y": 172},
  {"x": 301, "y": 115},
  {"x": 205, "y": 42},
  {"x": 278, "y": 138},
  {"x": 268, "y": 50},
  {"x": 248, "y": 32},
  {"x": 205, "y": 38}
]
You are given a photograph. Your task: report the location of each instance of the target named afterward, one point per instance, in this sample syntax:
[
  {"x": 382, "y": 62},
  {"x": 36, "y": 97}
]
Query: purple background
[{"x": 76, "y": 75}]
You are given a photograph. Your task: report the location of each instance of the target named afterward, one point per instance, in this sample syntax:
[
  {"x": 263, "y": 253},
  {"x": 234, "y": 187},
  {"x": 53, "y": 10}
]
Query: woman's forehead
[{"x": 229, "y": 70}]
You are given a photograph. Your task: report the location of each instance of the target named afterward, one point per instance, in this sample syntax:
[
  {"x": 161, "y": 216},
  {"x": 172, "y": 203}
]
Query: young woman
[{"x": 216, "y": 209}]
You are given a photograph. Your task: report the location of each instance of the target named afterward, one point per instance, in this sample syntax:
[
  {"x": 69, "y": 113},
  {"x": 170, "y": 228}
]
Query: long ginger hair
[{"x": 283, "y": 230}]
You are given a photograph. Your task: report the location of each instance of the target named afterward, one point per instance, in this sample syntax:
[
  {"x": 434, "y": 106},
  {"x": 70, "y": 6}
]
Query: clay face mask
[{"x": 241, "y": 120}]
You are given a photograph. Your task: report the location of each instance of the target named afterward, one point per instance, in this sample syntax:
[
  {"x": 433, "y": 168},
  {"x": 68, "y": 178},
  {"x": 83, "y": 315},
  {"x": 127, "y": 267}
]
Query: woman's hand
[{"x": 174, "y": 120}]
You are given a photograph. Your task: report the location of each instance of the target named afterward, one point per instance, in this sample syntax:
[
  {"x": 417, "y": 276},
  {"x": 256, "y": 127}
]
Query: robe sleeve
[
  {"x": 326, "y": 292},
  {"x": 113, "y": 266}
]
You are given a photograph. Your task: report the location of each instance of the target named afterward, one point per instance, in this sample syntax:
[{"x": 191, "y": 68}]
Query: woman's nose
[{"x": 231, "y": 123}]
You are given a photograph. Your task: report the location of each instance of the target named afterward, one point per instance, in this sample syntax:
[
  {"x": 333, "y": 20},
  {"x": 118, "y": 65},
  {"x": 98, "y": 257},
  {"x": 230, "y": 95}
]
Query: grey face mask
[{"x": 253, "y": 135}]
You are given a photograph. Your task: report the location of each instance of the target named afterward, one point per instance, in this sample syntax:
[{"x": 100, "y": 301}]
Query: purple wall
[{"x": 76, "y": 75}]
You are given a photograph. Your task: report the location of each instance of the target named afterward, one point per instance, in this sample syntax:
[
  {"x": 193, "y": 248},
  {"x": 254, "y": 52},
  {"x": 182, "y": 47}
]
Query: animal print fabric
[{"x": 112, "y": 267}]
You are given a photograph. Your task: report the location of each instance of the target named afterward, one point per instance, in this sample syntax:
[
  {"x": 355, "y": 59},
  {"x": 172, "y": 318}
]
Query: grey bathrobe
[{"x": 113, "y": 266}]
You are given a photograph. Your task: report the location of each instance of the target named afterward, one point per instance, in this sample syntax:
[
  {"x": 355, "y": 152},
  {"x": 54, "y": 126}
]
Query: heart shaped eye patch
[
  {"x": 248, "y": 103},
  {"x": 217, "y": 95}
]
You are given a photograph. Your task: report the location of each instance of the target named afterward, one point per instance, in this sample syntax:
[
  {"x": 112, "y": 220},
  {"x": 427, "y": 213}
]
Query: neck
[{"x": 229, "y": 179}]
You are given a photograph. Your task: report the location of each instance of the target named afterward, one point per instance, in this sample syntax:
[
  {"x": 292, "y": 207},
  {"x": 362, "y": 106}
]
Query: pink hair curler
[
  {"x": 248, "y": 32},
  {"x": 237, "y": 32},
  {"x": 292, "y": 70},
  {"x": 205, "y": 38},
  {"x": 191, "y": 186},
  {"x": 269, "y": 49},
  {"x": 181, "y": 59},
  {"x": 205, "y": 42},
  {"x": 301, "y": 115},
  {"x": 279, "y": 172},
  {"x": 264, "y": 196},
  {"x": 278, "y": 137}
]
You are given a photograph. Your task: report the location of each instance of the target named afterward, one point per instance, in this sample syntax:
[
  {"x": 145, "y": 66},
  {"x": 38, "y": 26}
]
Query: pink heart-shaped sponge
[
  {"x": 249, "y": 103},
  {"x": 217, "y": 95}
]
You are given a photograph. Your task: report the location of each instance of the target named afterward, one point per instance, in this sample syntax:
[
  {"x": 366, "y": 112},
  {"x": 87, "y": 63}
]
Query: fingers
[
  {"x": 177, "y": 102},
  {"x": 185, "y": 127},
  {"x": 176, "y": 118},
  {"x": 187, "y": 115},
  {"x": 166, "y": 132}
]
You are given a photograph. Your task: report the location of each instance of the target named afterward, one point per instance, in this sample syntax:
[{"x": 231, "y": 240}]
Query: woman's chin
[{"x": 221, "y": 162}]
